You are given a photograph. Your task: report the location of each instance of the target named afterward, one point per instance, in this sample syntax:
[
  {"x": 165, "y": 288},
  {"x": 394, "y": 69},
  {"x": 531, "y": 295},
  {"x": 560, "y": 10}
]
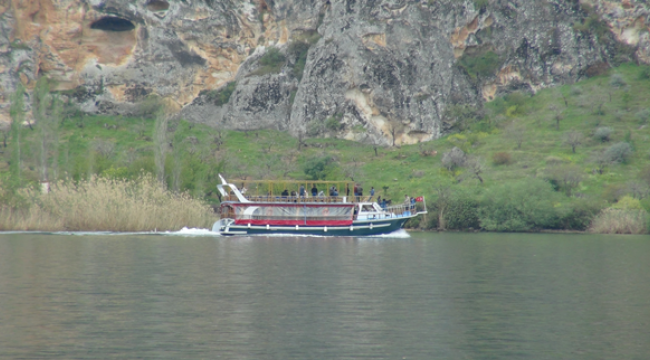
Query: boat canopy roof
[{"x": 276, "y": 187}]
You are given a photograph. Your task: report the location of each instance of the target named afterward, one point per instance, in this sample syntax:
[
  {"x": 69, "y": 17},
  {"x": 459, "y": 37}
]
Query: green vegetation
[
  {"x": 298, "y": 49},
  {"x": 219, "y": 96},
  {"x": 19, "y": 45},
  {"x": 482, "y": 64},
  {"x": 515, "y": 168},
  {"x": 481, "y": 4},
  {"x": 270, "y": 63},
  {"x": 592, "y": 23}
]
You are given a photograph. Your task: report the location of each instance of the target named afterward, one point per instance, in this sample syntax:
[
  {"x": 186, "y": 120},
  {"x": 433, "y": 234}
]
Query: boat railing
[
  {"x": 300, "y": 199},
  {"x": 402, "y": 210}
]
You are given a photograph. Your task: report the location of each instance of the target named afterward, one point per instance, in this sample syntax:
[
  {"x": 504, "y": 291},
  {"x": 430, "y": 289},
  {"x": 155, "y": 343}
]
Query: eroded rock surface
[{"x": 382, "y": 71}]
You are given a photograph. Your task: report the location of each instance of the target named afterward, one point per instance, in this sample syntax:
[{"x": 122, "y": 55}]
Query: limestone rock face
[{"x": 381, "y": 71}]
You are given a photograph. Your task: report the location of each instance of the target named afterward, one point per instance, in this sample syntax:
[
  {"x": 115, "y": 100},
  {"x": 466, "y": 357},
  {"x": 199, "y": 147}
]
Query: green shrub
[
  {"x": 317, "y": 168},
  {"x": 462, "y": 211},
  {"x": 643, "y": 115},
  {"x": 272, "y": 57},
  {"x": 315, "y": 128},
  {"x": 299, "y": 50},
  {"x": 616, "y": 80},
  {"x": 481, "y": 65},
  {"x": 461, "y": 116},
  {"x": 481, "y": 4},
  {"x": 521, "y": 206},
  {"x": 579, "y": 214},
  {"x": 501, "y": 158},
  {"x": 333, "y": 124},
  {"x": 603, "y": 133},
  {"x": 591, "y": 23},
  {"x": 628, "y": 203},
  {"x": 271, "y": 62},
  {"x": 221, "y": 96},
  {"x": 619, "y": 152}
]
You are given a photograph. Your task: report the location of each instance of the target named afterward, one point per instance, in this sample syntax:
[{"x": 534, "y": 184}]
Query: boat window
[{"x": 368, "y": 208}]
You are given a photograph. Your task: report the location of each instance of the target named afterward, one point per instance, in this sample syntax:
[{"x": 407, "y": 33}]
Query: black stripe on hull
[{"x": 358, "y": 229}]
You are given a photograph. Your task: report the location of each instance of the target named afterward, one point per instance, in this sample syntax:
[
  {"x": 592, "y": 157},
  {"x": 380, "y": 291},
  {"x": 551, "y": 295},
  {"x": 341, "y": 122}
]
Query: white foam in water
[
  {"x": 401, "y": 233},
  {"x": 192, "y": 232}
]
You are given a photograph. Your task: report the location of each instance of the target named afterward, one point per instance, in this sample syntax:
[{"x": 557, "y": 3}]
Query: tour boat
[{"x": 305, "y": 212}]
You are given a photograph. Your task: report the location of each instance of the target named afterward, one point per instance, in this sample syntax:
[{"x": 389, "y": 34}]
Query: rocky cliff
[{"x": 382, "y": 71}]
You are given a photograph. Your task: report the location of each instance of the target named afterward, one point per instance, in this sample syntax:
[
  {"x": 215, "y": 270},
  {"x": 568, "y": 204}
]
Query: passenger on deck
[
  {"x": 302, "y": 191},
  {"x": 372, "y": 192},
  {"x": 285, "y": 193},
  {"x": 314, "y": 191}
]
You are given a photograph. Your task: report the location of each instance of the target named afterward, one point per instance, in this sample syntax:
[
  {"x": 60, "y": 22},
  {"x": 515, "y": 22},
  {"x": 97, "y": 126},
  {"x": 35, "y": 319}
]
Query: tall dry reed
[
  {"x": 620, "y": 221},
  {"x": 102, "y": 204}
]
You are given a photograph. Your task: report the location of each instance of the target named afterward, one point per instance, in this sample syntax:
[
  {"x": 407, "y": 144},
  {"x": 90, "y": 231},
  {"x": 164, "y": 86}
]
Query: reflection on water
[{"x": 430, "y": 296}]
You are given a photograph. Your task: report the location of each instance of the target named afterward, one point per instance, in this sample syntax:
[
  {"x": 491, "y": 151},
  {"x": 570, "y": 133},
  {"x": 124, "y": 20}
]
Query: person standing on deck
[
  {"x": 314, "y": 191},
  {"x": 372, "y": 192},
  {"x": 302, "y": 191}
]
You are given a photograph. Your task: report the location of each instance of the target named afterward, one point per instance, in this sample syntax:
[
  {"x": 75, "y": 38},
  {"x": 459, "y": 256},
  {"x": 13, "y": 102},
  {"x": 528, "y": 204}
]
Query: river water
[{"x": 427, "y": 296}]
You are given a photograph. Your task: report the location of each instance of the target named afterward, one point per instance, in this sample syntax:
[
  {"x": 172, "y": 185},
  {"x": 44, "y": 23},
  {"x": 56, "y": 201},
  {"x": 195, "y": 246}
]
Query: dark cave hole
[
  {"x": 157, "y": 5},
  {"x": 112, "y": 23}
]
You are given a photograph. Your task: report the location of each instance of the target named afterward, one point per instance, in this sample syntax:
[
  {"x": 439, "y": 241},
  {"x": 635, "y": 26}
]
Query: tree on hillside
[
  {"x": 565, "y": 177},
  {"x": 288, "y": 162},
  {"x": 46, "y": 109},
  {"x": 217, "y": 138},
  {"x": 516, "y": 132},
  {"x": 573, "y": 138},
  {"x": 17, "y": 113},
  {"x": 161, "y": 146},
  {"x": 638, "y": 189},
  {"x": 453, "y": 158},
  {"x": 393, "y": 130},
  {"x": 441, "y": 204},
  {"x": 475, "y": 167},
  {"x": 557, "y": 115},
  {"x": 353, "y": 170},
  {"x": 316, "y": 168}
]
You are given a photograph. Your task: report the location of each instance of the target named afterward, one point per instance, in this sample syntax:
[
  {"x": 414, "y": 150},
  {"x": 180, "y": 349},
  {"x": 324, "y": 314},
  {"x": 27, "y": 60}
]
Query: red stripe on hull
[
  {"x": 295, "y": 222},
  {"x": 292, "y": 205}
]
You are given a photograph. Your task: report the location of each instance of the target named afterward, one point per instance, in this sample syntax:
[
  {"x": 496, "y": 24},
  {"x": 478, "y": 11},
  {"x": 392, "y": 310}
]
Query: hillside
[
  {"x": 396, "y": 68},
  {"x": 519, "y": 147}
]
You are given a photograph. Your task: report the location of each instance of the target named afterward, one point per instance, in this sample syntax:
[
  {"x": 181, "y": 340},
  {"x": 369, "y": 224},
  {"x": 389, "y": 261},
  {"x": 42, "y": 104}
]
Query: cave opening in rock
[
  {"x": 112, "y": 23},
  {"x": 157, "y": 5}
]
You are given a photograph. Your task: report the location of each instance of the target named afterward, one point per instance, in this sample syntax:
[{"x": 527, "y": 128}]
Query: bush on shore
[
  {"x": 522, "y": 206},
  {"x": 106, "y": 204},
  {"x": 620, "y": 221}
]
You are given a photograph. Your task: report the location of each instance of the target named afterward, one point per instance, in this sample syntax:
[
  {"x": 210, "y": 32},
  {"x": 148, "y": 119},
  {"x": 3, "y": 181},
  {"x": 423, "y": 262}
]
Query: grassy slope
[{"x": 403, "y": 169}]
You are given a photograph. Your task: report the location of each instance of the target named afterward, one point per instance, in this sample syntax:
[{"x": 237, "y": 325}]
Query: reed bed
[
  {"x": 620, "y": 221},
  {"x": 102, "y": 204}
]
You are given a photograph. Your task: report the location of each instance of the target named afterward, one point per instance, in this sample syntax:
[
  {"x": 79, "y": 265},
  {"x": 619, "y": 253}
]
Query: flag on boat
[{"x": 419, "y": 199}]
